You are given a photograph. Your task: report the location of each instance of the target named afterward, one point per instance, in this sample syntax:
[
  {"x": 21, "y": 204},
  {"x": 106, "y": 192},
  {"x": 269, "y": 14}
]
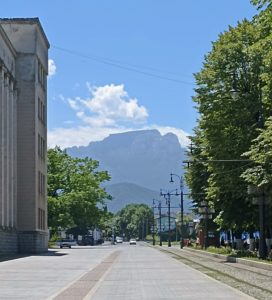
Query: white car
[
  {"x": 119, "y": 240},
  {"x": 132, "y": 242}
]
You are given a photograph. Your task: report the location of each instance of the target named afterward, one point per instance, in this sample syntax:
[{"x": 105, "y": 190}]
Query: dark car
[{"x": 87, "y": 240}]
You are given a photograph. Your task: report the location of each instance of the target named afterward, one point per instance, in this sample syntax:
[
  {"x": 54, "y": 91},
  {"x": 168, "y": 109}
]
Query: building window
[
  {"x": 41, "y": 184},
  {"x": 41, "y": 218},
  {"x": 41, "y": 75},
  {"x": 41, "y": 111},
  {"x": 41, "y": 147}
]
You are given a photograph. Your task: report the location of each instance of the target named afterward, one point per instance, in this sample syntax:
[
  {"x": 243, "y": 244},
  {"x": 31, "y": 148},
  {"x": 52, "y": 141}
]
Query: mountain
[
  {"x": 129, "y": 193},
  {"x": 139, "y": 162},
  {"x": 145, "y": 157}
]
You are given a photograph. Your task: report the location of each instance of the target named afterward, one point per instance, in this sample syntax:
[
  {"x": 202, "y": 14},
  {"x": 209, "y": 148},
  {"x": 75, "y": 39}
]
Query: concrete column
[
  {"x": 1, "y": 146},
  {"x": 6, "y": 150},
  {"x": 11, "y": 155},
  {"x": 14, "y": 156}
]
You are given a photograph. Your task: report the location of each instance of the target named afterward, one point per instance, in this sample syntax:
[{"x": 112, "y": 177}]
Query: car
[
  {"x": 87, "y": 240},
  {"x": 66, "y": 243},
  {"x": 119, "y": 239},
  {"x": 132, "y": 242}
]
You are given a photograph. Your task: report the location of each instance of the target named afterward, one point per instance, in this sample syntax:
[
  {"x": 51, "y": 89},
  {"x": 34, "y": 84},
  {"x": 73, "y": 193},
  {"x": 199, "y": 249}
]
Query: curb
[{"x": 251, "y": 263}]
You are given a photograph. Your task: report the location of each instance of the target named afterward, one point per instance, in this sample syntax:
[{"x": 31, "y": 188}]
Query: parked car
[
  {"x": 132, "y": 242},
  {"x": 87, "y": 240},
  {"x": 66, "y": 243},
  {"x": 119, "y": 239}
]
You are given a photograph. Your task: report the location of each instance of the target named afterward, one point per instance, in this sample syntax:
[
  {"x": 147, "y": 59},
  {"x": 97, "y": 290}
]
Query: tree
[
  {"x": 240, "y": 60},
  {"x": 75, "y": 198},
  {"x": 261, "y": 154},
  {"x": 134, "y": 220}
]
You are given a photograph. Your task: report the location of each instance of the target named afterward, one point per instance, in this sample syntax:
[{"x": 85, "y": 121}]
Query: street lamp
[
  {"x": 181, "y": 206},
  {"x": 160, "y": 225}
]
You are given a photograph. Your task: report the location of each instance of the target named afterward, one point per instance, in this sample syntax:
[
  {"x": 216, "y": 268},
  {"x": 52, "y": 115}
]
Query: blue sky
[{"x": 126, "y": 64}]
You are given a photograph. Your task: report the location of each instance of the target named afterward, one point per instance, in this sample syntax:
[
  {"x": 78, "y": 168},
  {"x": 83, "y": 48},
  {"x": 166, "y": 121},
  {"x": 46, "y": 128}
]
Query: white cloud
[
  {"x": 51, "y": 68},
  {"x": 181, "y": 134},
  {"x": 109, "y": 110},
  {"x": 79, "y": 136},
  {"x": 82, "y": 136},
  {"x": 109, "y": 105}
]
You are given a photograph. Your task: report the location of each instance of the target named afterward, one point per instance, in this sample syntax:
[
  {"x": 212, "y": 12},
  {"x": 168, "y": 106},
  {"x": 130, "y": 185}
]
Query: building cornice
[
  {"x": 27, "y": 21},
  {"x": 7, "y": 41}
]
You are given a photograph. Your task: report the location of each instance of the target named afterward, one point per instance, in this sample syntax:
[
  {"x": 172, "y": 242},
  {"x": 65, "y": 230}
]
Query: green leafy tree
[
  {"x": 75, "y": 197},
  {"x": 134, "y": 220},
  {"x": 240, "y": 60},
  {"x": 261, "y": 154}
]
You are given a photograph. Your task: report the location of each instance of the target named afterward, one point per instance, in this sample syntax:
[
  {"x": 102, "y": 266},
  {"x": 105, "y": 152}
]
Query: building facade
[{"x": 23, "y": 136}]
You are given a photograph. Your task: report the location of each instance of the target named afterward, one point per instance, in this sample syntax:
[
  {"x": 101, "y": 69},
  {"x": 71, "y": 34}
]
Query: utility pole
[
  {"x": 153, "y": 226},
  {"x": 169, "y": 221},
  {"x": 167, "y": 196},
  {"x": 160, "y": 225},
  {"x": 181, "y": 207}
]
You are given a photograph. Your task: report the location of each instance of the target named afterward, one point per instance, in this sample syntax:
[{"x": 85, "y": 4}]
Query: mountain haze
[
  {"x": 139, "y": 162},
  {"x": 129, "y": 193}
]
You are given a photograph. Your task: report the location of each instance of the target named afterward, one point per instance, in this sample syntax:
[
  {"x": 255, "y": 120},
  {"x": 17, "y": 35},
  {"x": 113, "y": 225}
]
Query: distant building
[
  {"x": 164, "y": 222},
  {"x": 23, "y": 136}
]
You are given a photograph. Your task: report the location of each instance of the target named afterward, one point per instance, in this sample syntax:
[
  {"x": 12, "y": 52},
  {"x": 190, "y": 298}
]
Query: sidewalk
[{"x": 120, "y": 272}]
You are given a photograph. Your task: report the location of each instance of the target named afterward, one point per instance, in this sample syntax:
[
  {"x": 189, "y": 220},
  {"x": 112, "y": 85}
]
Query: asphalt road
[{"x": 107, "y": 272}]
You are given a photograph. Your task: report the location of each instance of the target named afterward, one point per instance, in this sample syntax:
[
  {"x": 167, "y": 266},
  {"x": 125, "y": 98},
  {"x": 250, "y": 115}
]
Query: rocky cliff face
[{"x": 145, "y": 158}]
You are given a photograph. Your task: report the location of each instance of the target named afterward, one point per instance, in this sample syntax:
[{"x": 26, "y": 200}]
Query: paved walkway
[{"x": 120, "y": 272}]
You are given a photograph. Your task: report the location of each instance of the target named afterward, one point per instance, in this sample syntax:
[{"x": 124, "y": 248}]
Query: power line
[
  {"x": 222, "y": 161},
  {"x": 123, "y": 66}
]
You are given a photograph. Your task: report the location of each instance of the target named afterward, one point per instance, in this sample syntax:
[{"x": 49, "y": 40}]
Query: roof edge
[
  {"x": 27, "y": 21},
  {"x": 7, "y": 40}
]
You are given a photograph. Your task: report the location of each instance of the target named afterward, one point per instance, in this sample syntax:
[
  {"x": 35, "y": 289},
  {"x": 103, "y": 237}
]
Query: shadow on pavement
[{"x": 11, "y": 256}]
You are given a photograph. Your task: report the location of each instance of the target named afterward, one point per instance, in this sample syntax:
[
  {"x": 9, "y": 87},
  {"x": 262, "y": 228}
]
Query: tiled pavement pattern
[
  {"x": 107, "y": 272},
  {"x": 79, "y": 289},
  {"x": 142, "y": 273}
]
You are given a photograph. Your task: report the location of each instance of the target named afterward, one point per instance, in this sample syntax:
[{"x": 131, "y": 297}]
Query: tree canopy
[
  {"x": 134, "y": 220},
  {"x": 76, "y": 199},
  {"x": 233, "y": 98}
]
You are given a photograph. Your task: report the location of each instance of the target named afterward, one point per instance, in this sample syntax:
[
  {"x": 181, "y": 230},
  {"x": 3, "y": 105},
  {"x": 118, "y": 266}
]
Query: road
[{"x": 106, "y": 272}]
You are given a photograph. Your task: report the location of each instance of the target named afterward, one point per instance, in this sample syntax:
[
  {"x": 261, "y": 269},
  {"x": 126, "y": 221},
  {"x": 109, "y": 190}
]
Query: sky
[{"x": 122, "y": 65}]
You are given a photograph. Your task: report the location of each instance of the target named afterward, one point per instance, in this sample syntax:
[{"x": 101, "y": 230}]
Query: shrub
[{"x": 221, "y": 250}]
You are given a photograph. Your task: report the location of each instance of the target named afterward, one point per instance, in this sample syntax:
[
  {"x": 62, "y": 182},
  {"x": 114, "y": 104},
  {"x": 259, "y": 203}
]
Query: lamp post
[
  {"x": 113, "y": 235},
  {"x": 160, "y": 225},
  {"x": 167, "y": 196},
  {"x": 169, "y": 220},
  {"x": 181, "y": 206},
  {"x": 153, "y": 225},
  {"x": 259, "y": 196}
]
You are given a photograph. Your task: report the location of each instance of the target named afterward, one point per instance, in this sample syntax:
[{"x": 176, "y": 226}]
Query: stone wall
[
  {"x": 8, "y": 241},
  {"x": 32, "y": 242}
]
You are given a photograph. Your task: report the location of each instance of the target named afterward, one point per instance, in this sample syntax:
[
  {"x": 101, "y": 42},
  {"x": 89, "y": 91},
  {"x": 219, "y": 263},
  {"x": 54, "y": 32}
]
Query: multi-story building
[{"x": 23, "y": 136}]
